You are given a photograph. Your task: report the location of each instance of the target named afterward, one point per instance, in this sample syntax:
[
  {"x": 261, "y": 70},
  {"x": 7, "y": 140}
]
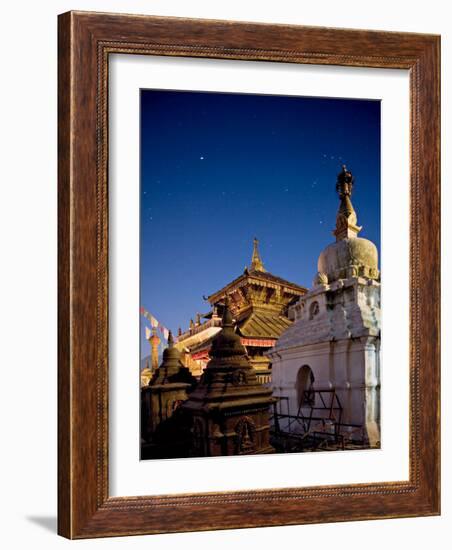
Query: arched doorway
[{"x": 305, "y": 386}]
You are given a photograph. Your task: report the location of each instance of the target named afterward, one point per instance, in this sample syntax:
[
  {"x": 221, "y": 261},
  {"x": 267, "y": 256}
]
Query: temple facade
[
  {"x": 326, "y": 365},
  {"x": 259, "y": 303}
]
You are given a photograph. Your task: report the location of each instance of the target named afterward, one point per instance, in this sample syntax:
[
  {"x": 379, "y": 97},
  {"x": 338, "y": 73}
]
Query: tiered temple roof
[{"x": 258, "y": 301}]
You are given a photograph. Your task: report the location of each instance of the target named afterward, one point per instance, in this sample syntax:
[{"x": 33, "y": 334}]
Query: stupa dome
[{"x": 351, "y": 257}]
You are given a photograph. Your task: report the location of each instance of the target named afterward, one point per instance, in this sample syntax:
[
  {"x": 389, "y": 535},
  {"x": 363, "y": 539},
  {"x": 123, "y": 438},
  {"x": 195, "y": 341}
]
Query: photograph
[
  {"x": 260, "y": 275},
  {"x": 246, "y": 211}
]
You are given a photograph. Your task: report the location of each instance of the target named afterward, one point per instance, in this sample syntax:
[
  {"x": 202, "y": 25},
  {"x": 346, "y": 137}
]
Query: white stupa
[{"x": 334, "y": 343}]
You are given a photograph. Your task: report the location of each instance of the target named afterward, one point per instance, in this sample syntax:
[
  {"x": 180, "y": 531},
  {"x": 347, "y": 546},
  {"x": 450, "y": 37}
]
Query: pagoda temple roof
[
  {"x": 263, "y": 325},
  {"x": 275, "y": 279},
  {"x": 258, "y": 301},
  {"x": 268, "y": 279},
  {"x": 257, "y": 272}
]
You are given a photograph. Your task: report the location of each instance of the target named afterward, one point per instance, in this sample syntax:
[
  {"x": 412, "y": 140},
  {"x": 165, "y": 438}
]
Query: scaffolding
[{"x": 317, "y": 425}]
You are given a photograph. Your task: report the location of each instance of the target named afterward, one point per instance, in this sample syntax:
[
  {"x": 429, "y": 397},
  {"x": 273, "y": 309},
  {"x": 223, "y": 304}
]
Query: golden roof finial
[
  {"x": 346, "y": 218},
  {"x": 256, "y": 262}
]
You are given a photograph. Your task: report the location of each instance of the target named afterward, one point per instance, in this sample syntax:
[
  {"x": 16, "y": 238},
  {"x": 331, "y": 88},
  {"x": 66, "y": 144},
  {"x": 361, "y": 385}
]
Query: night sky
[{"x": 219, "y": 169}]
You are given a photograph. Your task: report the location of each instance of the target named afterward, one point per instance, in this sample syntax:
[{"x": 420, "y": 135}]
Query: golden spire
[
  {"x": 154, "y": 341},
  {"x": 346, "y": 218},
  {"x": 256, "y": 262}
]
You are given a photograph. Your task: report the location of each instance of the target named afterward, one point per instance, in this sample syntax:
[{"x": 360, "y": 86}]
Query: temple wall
[{"x": 349, "y": 366}]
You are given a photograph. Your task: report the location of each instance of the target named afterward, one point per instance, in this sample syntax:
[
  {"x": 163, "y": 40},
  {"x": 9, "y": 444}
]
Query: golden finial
[{"x": 256, "y": 262}]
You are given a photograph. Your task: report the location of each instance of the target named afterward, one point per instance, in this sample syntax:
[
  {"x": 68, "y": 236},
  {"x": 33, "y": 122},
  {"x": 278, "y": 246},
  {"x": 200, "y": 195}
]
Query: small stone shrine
[
  {"x": 167, "y": 389},
  {"x": 228, "y": 412}
]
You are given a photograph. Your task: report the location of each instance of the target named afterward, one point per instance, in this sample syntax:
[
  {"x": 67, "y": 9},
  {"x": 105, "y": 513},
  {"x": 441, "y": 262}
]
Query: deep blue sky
[{"x": 218, "y": 169}]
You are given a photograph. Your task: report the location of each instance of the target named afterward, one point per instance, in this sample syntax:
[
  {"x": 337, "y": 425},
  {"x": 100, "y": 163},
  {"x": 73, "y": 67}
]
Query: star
[{"x": 201, "y": 158}]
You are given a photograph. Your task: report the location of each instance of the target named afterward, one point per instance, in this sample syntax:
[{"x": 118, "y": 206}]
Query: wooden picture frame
[{"x": 86, "y": 40}]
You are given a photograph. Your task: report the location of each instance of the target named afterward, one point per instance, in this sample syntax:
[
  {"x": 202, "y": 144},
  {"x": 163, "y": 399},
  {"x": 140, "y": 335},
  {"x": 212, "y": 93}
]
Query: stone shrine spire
[
  {"x": 228, "y": 412},
  {"x": 256, "y": 262},
  {"x": 167, "y": 389},
  {"x": 171, "y": 368},
  {"x": 346, "y": 219},
  {"x": 227, "y": 344}
]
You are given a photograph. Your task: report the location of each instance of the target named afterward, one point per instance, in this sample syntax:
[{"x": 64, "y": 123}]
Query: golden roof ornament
[
  {"x": 256, "y": 261},
  {"x": 346, "y": 219}
]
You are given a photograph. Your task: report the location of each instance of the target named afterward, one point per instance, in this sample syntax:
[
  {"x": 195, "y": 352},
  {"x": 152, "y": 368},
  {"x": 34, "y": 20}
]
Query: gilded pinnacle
[{"x": 256, "y": 261}]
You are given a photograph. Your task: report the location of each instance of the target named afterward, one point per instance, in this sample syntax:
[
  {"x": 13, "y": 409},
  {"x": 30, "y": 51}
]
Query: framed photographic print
[{"x": 248, "y": 275}]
